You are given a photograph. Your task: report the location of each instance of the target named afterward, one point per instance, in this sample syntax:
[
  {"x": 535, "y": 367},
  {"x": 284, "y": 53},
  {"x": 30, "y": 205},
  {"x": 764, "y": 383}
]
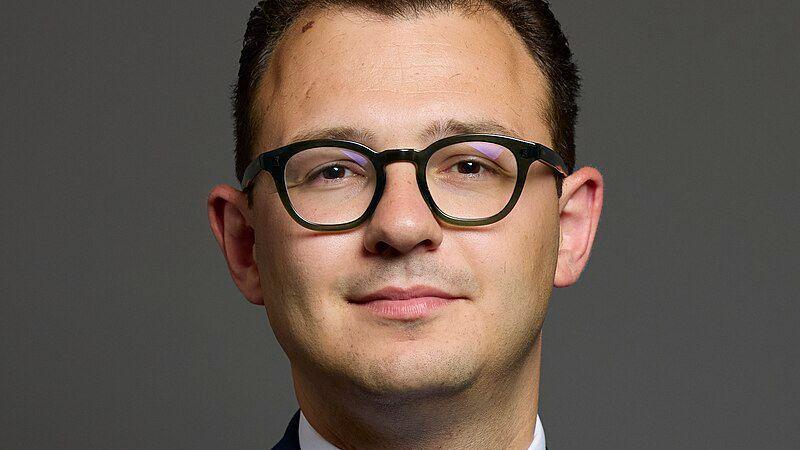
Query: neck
[{"x": 494, "y": 412}]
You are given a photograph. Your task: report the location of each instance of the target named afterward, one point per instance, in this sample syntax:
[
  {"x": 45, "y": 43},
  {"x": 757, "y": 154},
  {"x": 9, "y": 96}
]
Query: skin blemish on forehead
[{"x": 307, "y": 26}]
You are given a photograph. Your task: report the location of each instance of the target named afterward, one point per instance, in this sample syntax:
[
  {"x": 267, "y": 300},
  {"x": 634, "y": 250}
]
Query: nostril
[
  {"x": 382, "y": 248},
  {"x": 386, "y": 250}
]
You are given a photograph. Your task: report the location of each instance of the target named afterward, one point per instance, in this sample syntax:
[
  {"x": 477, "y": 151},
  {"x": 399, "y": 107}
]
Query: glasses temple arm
[{"x": 552, "y": 159}]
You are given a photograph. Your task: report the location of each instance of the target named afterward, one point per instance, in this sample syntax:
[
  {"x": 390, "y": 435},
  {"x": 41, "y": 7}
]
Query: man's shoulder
[{"x": 290, "y": 440}]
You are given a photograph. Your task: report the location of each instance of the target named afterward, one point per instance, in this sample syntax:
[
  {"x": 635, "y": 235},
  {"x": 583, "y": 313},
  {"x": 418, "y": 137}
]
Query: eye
[
  {"x": 331, "y": 172},
  {"x": 469, "y": 167}
]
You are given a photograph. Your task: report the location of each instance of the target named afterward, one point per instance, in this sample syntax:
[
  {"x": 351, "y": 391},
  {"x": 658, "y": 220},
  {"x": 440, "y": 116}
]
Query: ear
[
  {"x": 229, "y": 215},
  {"x": 579, "y": 213}
]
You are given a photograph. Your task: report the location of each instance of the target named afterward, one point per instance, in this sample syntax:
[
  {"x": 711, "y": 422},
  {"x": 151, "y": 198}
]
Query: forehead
[{"x": 396, "y": 77}]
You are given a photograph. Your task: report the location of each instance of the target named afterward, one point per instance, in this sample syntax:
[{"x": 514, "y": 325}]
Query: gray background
[{"x": 120, "y": 327}]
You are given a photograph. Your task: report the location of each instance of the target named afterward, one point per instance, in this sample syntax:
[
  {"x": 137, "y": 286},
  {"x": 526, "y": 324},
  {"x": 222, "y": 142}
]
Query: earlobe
[
  {"x": 580, "y": 205},
  {"x": 227, "y": 214}
]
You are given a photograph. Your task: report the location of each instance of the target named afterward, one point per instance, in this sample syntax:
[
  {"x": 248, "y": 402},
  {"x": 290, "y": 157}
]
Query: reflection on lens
[
  {"x": 472, "y": 180},
  {"x": 329, "y": 185}
]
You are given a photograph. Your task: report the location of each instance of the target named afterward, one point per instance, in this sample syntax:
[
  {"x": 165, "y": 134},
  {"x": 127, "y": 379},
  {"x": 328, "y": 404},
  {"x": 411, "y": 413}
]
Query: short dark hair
[{"x": 532, "y": 19}]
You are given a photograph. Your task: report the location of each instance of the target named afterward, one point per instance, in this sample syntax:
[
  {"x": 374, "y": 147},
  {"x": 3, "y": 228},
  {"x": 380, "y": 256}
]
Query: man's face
[{"x": 396, "y": 78}]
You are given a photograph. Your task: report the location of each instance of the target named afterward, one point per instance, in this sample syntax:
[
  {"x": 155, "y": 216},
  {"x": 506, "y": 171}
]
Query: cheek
[
  {"x": 515, "y": 263},
  {"x": 300, "y": 268},
  {"x": 301, "y": 283},
  {"x": 281, "y": 271}
]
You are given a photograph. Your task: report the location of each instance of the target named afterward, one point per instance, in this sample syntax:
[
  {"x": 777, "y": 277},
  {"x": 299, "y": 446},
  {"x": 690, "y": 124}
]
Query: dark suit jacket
[{"x": 290, "y": 440}]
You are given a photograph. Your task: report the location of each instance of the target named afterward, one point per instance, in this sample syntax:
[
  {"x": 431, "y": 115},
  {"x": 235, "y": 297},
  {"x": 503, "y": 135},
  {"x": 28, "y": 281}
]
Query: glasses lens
[
  {"x": 472, "y": 180},
  {"x": 329, "y": 185}
]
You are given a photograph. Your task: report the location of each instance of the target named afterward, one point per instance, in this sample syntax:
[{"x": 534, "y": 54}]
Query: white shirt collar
[{"x": 311, "y": 440}]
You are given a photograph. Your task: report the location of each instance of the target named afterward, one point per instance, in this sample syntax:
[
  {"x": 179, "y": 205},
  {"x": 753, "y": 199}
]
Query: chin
[{"x": 409, "y": 376}]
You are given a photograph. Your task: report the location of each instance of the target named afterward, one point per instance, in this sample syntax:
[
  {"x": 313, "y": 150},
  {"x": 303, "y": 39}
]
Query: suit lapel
[{"x": 290, "y": 439}]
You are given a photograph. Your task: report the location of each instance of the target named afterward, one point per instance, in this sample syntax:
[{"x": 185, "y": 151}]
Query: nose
[{"x": 402, "y": 220}]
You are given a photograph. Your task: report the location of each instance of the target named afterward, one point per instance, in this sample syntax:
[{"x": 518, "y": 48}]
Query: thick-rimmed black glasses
[{"x": 466, "y": 179}]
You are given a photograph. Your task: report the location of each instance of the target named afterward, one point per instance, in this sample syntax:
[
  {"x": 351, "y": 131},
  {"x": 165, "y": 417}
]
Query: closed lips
[{"x": 399, "y": 294}]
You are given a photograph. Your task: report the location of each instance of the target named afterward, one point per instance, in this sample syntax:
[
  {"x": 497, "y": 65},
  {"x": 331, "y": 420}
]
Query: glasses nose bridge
[
  {"x": 391, "y": 155},
  {"x": 388, "y": 156}
]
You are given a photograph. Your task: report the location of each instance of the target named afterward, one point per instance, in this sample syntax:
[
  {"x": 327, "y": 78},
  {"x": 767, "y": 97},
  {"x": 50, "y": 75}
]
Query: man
[{"x": 408, "y": 288}]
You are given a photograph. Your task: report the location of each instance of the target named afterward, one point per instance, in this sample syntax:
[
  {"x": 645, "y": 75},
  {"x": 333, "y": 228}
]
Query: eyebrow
[{"x": 435, "y": 130}]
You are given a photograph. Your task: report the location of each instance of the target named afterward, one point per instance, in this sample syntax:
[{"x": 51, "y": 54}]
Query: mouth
[{"x": 405, "y": 304}]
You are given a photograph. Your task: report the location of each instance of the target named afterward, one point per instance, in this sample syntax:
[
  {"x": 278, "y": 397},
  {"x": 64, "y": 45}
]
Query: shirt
[{"x": 311, "y": 440}]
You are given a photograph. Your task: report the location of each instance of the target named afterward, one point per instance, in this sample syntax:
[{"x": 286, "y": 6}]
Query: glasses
[{"x": 466, "y": 179}]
